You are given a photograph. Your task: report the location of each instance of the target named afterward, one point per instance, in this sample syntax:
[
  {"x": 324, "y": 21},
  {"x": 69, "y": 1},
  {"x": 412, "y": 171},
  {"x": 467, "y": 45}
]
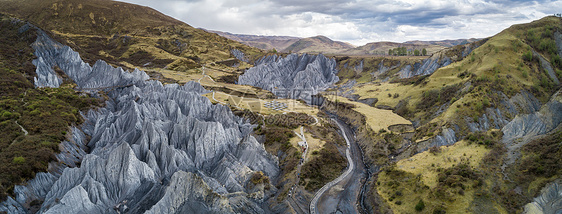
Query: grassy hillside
[
  {"x": 381, "y": 48},
  {"x": 444, "y": 43},
  {"x": 317, "y": 44},
  {"x": 465, "y": 177},
  {"x": 124, "y": 34},
  {"x": 501, "y": 64},
  {"x": 32, "y": 121}
]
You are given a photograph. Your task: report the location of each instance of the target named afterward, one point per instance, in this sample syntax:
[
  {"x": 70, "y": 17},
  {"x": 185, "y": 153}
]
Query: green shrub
[
  {"x": 486, "y": 102},
  {"x": 479, "y": 106},
  {"x": 19, "y": 160},
  {"x": 548, "y": 45},
  {"x": 524, "y": 74},
  {"x": 545, "y": 83},
  {"x": 556, "y": 61},
  {"x": 6, "y": 115},
  {"x": 420, "y": 205},
  {"x": 35, "y": 112},
  {"x": 528, "y": 56}
]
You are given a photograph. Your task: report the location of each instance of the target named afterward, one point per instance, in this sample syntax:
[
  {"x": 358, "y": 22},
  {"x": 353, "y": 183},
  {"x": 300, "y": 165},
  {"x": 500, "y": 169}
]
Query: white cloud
[{"x": 358, "y": 21}]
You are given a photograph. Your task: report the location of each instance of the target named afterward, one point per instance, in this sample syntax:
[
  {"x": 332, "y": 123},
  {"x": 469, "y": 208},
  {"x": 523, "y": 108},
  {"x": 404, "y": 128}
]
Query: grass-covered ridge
[
  {"x": 469, "y": 176},
  {"x": 125, "y": 34},
  {"x": 506, "y": 63},
  {"x": 32, "y": 121}
]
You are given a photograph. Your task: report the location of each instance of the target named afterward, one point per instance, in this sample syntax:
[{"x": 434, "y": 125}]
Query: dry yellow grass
[
  {"x": 314, "y": 144},
  {"x": 426, "y": 163},
  {"x": 257, "y": 105},
  {"x": 376, "y": 118},
  {"x": 180, "y": 76}
]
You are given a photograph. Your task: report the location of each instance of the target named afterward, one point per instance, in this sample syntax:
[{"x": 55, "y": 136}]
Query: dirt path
[{"x": 22, "y": 129}]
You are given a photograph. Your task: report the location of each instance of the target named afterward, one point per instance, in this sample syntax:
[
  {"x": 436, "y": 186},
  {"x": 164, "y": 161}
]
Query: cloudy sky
[{"x": 358, "y": 21}]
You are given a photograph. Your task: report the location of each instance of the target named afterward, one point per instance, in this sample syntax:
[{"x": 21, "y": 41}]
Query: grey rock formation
[
  {"x": 359, "y": 68},
  {"x": 437, "y": 60},
  {"x": 11, "y": 206},
  {"x": 369, "y": 101},
  {"x": 187, "y": 193},
  {"x": 51, "y": 53},
  {"x": 558, "y": 39},
  {"x": 297, "y": 77},
  {"x": 548, "y": 202},
  {"x": 239, "y": 55},
  {"x": 540, "y": 122},
  {"x": 153, "y": 148},
  {"x": 446, "y": 138},
  {"x": 426, "y": 67},
  {"x": 497, "y": 118},
  {"x": 546, "y": 66},
  {"x": 383, "y": 69}
]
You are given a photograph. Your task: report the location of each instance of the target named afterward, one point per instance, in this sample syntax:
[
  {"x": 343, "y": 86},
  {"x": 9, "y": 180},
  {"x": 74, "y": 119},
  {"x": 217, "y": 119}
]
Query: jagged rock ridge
[
  {"x": 51, "y": 53},
  {"x": 426, "y": 67},
  {"x": 297, "y": 77},
  {"x": 153, "y": 148}
]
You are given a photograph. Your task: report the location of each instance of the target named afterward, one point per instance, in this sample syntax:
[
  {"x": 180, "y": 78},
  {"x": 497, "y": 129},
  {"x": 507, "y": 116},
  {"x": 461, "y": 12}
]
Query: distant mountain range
[
  {"x": 261, "y": 42},
  {"x": 325, "y": 45},
  {"x": 446, "y": 43}
]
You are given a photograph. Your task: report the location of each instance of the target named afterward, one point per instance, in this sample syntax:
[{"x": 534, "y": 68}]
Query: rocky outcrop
[
  {"x": 358, "y": 68},
  {"x": 496, "y": 118},
  {"x": 383, "y": 70},
  {"x": 297, "y": 77},
  {"x": 439, "y": 59},
  {"x": 426, "y": 67},
  {"x": 446, "y": 138},
  {"x": 547, "y": 66},
  {"x": 558, "y": 39},
  {"x": 154, "y": 148},
  {"x": 239, "y": 55},
  {"x": 51, "y": 53},
  {"x": 549, "y": 201},
  {"x": 187, "y": 193},
  {"x": 536, "y": 123}
]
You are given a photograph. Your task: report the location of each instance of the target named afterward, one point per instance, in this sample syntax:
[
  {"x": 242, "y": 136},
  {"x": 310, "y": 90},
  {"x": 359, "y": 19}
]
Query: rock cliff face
[
  {"x": 549, "y": 201},
  {"x": 297, "y": 77},
  {"x": 153, "y": 148},
  {"x": 518, "y": 116},
  {"x": 239, "y": 55},
  {"x": 496, "y": 118},
  {"x": 426, "y": 67},
  {"x": 536, "y": 123}
]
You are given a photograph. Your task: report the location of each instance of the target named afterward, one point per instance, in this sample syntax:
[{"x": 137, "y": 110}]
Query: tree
[
  {"x": 424, "y": 52},
  {"x": 389, "y": 51},
  {"x": 416, "y": 52}
]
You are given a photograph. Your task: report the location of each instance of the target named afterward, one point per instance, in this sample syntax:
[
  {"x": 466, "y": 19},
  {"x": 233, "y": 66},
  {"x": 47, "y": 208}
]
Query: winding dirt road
[{"x": 342, "y": 194}]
